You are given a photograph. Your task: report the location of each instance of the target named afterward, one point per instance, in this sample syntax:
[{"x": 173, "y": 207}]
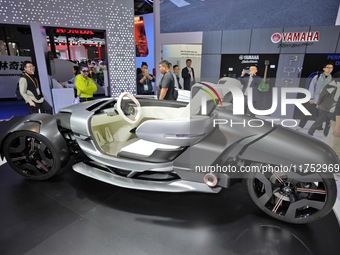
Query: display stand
[{"x": 62, "y": 98}]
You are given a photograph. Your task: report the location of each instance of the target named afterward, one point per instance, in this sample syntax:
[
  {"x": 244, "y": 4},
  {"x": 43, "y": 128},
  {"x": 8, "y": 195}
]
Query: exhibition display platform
[{"x": 74, "y": 214}]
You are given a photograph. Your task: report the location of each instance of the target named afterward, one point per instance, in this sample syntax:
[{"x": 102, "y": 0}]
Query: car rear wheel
[
  {"x": 32, "y": 155},
  {"x": 293, "y": 197}
]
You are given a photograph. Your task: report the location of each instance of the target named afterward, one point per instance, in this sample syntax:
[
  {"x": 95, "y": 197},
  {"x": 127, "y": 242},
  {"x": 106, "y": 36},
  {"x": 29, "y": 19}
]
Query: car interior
[{"x": 159, "y": 134}]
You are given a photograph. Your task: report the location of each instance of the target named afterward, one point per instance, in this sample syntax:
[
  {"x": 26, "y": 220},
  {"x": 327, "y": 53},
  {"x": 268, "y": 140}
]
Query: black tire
[
  {"x": 32, "y": 155},
  {"x": 293, "y": 197}
]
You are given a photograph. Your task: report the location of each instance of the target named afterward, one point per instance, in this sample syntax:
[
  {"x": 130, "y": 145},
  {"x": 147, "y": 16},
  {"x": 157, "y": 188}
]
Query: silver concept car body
[{"x": 173, "y": 146}]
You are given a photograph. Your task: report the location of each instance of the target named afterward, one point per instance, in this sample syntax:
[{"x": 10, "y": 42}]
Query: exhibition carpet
[{"x": 10, "y": 108}]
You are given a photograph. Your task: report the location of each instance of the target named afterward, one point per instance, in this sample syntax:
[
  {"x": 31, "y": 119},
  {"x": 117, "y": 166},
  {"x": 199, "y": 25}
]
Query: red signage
[
  {"x": 299, "y": 37},
  {"x": 74, "y": 31}
]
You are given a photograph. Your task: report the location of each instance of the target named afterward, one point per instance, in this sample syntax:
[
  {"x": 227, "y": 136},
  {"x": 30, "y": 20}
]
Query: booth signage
[
  {"x": 12, "y": 65},
  {"x": 11, "y": 68},
  {"x": 74, "y": 31},
  {"x": 295, "y": 39},
  {"x": 249, "y": 59},
  {"x": 190, "y": 53},
  {"x": 335, "y": 58}
]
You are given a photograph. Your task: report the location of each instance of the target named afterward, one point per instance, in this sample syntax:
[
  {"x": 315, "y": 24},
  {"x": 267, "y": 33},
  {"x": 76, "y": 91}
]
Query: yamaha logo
[
  {"x": 249, "y": 59},
  {"x": 295, "y": 37},
  {"x": 276, "y": 37}
]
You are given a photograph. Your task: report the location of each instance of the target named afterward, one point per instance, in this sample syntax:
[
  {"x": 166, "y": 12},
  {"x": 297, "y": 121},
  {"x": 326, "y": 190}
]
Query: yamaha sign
[
  {"x": 249, "y": 59},
  {"x": 295, "y": 39}
]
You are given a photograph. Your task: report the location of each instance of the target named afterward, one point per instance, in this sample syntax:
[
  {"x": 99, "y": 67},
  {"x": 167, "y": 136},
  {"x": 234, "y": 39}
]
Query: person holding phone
[
  {"x": 144, "y": 81},
  {"x": 251, "y": 82}
]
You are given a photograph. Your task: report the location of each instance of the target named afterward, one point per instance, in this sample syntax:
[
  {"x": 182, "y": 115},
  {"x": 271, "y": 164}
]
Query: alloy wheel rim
[
  {"x": 30, "y": 155},
  {"x": 290, "y": 195}
]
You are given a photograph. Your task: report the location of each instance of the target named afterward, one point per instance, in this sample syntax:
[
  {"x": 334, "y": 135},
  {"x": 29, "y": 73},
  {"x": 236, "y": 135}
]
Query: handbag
[
  {"x": 175, "y": 95},
  {"x": 175, "y": 90},
  {"x": 76, "y": 100}
]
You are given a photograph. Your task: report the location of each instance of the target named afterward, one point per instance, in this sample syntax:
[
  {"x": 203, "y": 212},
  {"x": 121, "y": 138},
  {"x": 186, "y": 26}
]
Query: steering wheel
[{"x": 125, "y": 109}]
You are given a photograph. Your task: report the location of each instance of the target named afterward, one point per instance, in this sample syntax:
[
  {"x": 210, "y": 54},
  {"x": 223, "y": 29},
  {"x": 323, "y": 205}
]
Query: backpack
[
  {"x": 175, "y": 94},
  {"x": 327, "y": 101},
  {"x": 17, "y": 93}
]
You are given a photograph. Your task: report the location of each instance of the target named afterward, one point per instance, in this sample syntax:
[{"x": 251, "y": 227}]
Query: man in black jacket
[
  {"x": 188, "y": 75},
  {"x": 30, "y": 90},
  {"x": 326, "y": 105},
  {"x": 333, "y": 138}
]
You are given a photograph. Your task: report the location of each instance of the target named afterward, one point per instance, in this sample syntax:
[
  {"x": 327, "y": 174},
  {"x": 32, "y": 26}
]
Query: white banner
[{"x": 10, "y": 70}]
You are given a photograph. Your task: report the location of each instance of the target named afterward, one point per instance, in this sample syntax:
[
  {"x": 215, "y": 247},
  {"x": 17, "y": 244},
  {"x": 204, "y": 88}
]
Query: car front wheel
[{"x": 32, "y": 155}]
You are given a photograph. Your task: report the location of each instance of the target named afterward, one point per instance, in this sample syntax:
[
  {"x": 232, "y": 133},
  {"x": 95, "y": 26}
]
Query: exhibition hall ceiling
[{"x": 219, "y": 15}]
